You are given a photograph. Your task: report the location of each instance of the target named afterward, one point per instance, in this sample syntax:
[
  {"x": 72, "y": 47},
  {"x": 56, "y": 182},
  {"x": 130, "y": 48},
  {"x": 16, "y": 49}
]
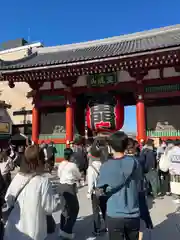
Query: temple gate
[{"x": 140, "y": 69}]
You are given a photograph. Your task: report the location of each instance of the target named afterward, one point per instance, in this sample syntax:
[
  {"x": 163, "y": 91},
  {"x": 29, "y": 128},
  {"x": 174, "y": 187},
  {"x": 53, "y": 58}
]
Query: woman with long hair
[
  {"x": 31, "y": 196},
  {"x": 69, "y": 175}
]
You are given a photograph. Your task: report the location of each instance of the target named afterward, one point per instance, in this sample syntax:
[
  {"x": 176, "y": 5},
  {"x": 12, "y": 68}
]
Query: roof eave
[{"x": 71, "y": 64}]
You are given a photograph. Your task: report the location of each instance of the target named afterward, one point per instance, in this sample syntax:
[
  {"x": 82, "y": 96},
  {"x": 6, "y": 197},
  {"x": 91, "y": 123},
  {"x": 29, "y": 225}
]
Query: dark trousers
[
  {"x": 7, "y": 180},
  {"x": 51, "y": 224},
  {"x": 153, "y": 179},
  {"x": 50, "y": 164},
  {"x": 144, "y": 211},
  {"x": 98, "y": 205},
  {"x": 1, "y": 230},
  {"x": 123, "y": 228},
  {"x": 164, "y": 182},
  {"x": 71, "y": 209}
]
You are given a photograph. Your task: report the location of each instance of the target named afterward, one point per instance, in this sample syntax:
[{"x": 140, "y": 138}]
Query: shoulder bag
[
  {"x": 102, "y": 191},
  {"x": 6, "y": 211},
  {"x": 96, "y": 171}
]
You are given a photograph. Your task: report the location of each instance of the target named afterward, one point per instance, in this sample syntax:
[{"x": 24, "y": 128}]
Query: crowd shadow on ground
[
  {"x": 166, "y": 230},
  {"x": 84, "y": 229},
  {"x": 150, "y": 202}
]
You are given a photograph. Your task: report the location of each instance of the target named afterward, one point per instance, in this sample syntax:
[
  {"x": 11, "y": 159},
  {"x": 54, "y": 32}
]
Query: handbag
[{"x": 6, "y": 210}]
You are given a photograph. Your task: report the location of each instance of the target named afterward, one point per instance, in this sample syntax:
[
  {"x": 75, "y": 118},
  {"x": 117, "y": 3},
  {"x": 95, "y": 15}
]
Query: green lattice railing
[
  {"x": 163, "y": 133},
  {"x": 59, "y": 147},
  {"x": 52, "y": 97},
  {"x": 162, "y": 88},
  {"x": 52, "y": 136},
  {"x": 60, "y": 150}
]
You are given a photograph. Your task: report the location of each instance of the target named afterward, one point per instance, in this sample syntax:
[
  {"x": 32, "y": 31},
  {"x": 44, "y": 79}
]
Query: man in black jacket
[{"x": 149, "y": 164}]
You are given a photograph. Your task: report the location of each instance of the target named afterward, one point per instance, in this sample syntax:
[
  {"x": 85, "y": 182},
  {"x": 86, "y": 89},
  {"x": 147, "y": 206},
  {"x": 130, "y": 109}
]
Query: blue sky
[{"x": 58, "y": 22}]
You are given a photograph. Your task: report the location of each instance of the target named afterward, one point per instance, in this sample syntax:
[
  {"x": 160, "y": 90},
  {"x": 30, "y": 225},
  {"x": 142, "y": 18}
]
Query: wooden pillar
[
  {"x": 69, "y": 120},
  {"x": 140, "y": 119},
  {"x": 35, "y": 124}
]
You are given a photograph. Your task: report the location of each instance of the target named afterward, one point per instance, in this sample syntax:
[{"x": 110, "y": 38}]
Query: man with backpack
[{"x": 149, "y": 166}]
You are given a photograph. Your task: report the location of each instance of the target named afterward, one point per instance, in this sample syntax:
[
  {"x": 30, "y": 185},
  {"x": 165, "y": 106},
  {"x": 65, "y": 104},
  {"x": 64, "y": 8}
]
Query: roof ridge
[
  {"x": 15, "y": 49},
  {"x": 109, "y": 40}
]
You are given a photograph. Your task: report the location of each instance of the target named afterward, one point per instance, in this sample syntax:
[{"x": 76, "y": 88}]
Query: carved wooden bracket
[
  {"x": 138, "y": 74},
  {"x": 34, "y": 85},
  {"x": 177, "y": 68},
  {"x": 11, "y": 84},
  {"x": 69, "y": 81}
]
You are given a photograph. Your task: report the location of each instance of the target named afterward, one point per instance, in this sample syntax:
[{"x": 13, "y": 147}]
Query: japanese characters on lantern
[{"x": 105, "y": 112}]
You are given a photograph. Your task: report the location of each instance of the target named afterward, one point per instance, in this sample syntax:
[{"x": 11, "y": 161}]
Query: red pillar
[
  {"x": 140, "y": 119},
  {"x": 69, "y": 121},
  {"x": 35, "y": 124}
]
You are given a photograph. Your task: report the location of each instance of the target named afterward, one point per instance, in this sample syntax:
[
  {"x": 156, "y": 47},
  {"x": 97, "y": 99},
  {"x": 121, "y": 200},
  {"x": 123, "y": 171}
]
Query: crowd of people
[{"x": 121, "y": 174}]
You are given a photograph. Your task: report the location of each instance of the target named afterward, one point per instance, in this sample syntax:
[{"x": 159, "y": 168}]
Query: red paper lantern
[{"x": 105, "y": 113}]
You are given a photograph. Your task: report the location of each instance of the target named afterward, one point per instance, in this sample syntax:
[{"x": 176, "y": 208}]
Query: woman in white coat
[{"x": 27, "y": 220}]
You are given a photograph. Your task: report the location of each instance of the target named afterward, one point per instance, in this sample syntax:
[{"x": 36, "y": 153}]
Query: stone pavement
[{"x": 162, "y": 212}]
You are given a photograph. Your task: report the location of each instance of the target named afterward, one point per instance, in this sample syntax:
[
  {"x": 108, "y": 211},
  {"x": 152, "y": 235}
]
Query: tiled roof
[{"x": 111, "y": 47}]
